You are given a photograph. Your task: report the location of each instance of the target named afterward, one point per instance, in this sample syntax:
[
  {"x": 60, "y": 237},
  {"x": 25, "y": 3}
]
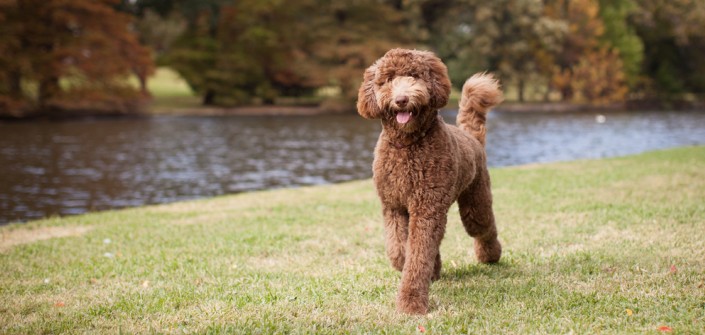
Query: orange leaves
[
  {"x": 665, "y": 329},
  {"x": 597, "y": 77},
  {"x": 673, "y": 269},
  {"x": 420, "y": 329},
  {"x": 87, "y": 43}
]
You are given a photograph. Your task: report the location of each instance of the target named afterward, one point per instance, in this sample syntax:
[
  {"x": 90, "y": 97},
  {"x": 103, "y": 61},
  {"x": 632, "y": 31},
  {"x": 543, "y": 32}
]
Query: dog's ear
[
  {"x": 366, "y": 100},
  {"x": 439, "y": 82}
]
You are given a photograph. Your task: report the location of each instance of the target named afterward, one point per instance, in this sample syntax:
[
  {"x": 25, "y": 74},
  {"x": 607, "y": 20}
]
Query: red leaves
[
  {"x": 421, "y": 328},
  {"x": 673, "y": 269},
  {"x": 664, "y": 329}
]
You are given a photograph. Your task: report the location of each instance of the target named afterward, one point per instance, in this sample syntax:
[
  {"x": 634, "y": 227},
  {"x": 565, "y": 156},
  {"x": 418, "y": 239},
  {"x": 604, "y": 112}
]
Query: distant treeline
[{"x": 255, "y": 51}]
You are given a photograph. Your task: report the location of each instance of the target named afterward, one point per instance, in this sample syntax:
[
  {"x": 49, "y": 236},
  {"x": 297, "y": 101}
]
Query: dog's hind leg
[
  {"x": 396, "y": 228},
  {"x": 475, "y": 205}
]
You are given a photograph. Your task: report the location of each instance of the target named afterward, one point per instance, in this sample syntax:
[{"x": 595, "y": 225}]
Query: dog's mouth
[{"x": 403, "y": 117}]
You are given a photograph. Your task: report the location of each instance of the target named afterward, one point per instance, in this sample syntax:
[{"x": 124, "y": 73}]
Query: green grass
[
  {"x": 169, "y": 90},
  {"x": 585, "y": 242}
]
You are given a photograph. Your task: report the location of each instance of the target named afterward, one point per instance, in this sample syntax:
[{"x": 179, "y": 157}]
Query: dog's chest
[{"x": 402, "y": 176}]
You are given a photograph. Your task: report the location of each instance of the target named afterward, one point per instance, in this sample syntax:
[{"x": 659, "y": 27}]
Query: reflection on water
[{"x": 71, "y": 167}]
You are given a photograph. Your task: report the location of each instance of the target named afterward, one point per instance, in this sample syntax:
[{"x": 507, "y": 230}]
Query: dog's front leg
[
  {"x": 396, "y": 226},
  {"x": 425, "y": 234}
]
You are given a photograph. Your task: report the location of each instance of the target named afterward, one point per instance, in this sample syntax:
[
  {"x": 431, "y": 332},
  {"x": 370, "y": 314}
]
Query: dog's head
[{"x": 404, "y": 86}]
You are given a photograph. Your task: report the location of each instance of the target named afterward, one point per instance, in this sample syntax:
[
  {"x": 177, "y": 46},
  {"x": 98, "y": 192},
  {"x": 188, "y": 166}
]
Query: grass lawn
[
  {"x": 169, "y": 90},
  {"x": 608, "y": 246}
]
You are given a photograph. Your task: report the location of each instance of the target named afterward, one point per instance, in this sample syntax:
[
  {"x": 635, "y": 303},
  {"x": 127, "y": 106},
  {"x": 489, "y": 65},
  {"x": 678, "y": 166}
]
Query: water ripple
[{"x": 70, "y": 167}]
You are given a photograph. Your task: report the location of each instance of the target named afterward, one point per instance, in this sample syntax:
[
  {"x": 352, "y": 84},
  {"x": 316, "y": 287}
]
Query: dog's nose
[{"x": 401, "y": 100}]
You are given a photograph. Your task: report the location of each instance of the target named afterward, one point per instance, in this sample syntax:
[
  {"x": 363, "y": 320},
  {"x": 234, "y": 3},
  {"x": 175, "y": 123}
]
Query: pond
[{"x": 71, "y": 167}]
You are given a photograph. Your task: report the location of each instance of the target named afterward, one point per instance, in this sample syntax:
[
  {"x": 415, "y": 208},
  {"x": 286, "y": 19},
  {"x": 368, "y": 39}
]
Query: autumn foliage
[
  {"x": 78, "y": 54},
  {"x": 69, "y": 54},
  {"x": 253, "y": 51},
  {"x": 588, "y": 71}
]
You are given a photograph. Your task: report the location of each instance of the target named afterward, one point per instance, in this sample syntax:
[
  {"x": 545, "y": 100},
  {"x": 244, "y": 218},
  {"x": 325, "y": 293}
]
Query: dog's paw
[
  {"x": 488, "y": 251},
  {"x": 436, "y": 276},
  {"x": 436, "y": 270},
  {"x": 412, "y": 305}
]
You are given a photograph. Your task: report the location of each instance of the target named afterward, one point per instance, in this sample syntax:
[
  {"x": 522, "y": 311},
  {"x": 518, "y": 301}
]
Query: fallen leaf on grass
[
  {"x": 665, "y": 329},
  {"x": 59, "y": 304},
  {"x": 673, "y": 269},
  {"x": 421, "y": 328},
  {"x": 629, "y": 312}
]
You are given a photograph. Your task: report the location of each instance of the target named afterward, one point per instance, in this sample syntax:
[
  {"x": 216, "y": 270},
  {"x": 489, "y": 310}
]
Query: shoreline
[
  {"x": 318, "y": 110},
  {"x": 283, "y": 110}
]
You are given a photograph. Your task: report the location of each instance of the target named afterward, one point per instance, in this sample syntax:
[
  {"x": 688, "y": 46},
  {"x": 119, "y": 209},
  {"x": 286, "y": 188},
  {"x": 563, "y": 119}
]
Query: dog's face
[{"x": 405, "y": 88}]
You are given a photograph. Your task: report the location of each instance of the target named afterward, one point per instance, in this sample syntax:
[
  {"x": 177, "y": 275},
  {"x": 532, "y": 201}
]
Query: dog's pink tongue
[{"x": 403, "y": 117}]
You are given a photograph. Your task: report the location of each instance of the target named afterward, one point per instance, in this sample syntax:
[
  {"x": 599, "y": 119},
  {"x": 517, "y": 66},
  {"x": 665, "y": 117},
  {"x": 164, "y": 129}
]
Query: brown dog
[{"x": 422, "y": 165}]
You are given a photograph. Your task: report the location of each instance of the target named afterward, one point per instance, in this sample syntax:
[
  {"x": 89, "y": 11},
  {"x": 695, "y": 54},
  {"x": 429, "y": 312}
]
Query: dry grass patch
[{"x": 14, "y": 237}]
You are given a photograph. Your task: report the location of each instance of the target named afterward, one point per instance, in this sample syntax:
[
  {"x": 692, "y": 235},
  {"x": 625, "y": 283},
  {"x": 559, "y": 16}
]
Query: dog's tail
[{"x": 480, "y": 93}]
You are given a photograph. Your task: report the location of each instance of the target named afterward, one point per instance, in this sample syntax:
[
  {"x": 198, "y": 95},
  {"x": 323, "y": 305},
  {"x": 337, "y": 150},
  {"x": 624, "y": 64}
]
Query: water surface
[{"x": 71, "y": 167}]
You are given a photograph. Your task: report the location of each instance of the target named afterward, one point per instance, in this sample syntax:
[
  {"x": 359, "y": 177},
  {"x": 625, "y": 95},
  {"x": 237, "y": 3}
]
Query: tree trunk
[
  {"x": 15, "y": 84},
  {"x": 566, "y": 94},
  {"x": 520, "y": 86},
  {"x": 143, "y": 84},
  {"x": 209, "y": 98},
  {"x": 547, "y": 92},
  {"x": 48, "y": 89}
]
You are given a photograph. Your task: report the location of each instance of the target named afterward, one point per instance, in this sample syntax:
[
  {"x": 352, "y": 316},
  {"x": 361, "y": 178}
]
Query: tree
[
  {"x": 597, "y": 78},
  {"x": 511, "y": 37},
  {"x": 588, "y": 69},
  {"x": 11, "y": 67},
  {"x": 622, "y": 36},
  {"x": 253, "y": 51},
  {"x": 235, "y": 52},
  {"x": 160, "y": 32},
  {"x": 673, "y": 33},
  {"x": 71, "y": 48},
  {"x": 351, "y": 37}
]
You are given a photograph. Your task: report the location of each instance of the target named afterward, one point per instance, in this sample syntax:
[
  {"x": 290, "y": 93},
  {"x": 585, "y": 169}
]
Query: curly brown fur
[{"x": 422, "y": 165}]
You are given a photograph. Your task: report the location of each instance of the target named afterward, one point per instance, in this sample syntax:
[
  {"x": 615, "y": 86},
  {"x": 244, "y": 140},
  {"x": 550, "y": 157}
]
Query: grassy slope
[
  {"x": 586, "y": 243},
  {"x": 169, "y": 90}
]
